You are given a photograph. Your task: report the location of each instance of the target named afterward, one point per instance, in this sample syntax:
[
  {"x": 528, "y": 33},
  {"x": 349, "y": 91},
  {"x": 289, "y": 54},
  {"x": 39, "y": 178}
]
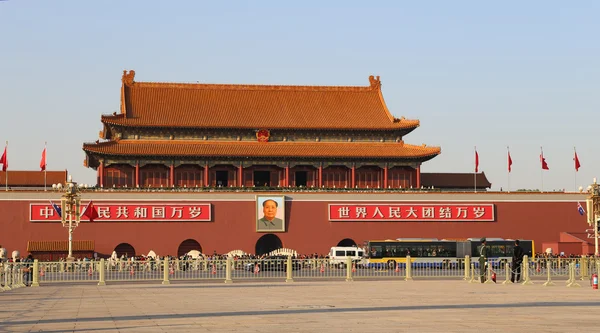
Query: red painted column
[
  {"x": 137, "y": 174},
  {"x": 206, "y": 183},
  {"x": 172, "y": 175},
  {"x": 385, "y": 176},
  {"x": 287, "y": 175},
  {"x": 240, "y": 175},
  {"x": 352, "y": 175},
  {"x": 320, "y": 175},
  {"x": 419, "y": 176},
  {"x": 101, "y": 173}
]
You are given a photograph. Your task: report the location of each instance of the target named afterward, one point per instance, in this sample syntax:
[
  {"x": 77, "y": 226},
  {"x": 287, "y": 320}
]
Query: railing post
[
  {"x": 467, "y": 266},
  {"x": 473, "y": 274},
  {"x": 166, "y": 271},
  {"x": 102, "y": 271},
  {"x": 36, "y": 273},
  {"x": 408, "y": 270},
  {"x": 549, "y": 271},
  {"x": 507, "y": 268},
  {"x": 572, "y": 279},
  {"x": 488, "y": 273},
  {"x": 7, "y": 276},
  {"x": 20, "y": 276},
  {"x": 583, "y": 268},
  {"x": 289, "y": 269},
  {"x": 525, "y": 272},
  {"x": 228, "y": 264},
  {"x": 349, "y": 269}
]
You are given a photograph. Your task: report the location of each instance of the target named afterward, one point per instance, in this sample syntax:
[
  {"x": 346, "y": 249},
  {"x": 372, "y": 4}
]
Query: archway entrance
[
  {"x": 266, "y": 244},
  {"x": 187, "y": 246},
  {"x": 347, "y": 242},
  {"x": 125, "y": 249}
]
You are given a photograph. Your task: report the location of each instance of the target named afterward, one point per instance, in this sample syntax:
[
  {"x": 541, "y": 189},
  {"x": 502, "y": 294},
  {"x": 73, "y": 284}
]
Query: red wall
[{"x": 308, "y": 228}]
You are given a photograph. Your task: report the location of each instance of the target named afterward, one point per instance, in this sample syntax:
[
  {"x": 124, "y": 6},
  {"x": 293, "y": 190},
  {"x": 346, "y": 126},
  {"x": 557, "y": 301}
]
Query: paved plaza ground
[{"x": 321, "y": 306}]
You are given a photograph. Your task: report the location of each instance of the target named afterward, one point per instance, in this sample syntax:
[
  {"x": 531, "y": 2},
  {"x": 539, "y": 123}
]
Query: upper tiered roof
[{"x": 191, "y": 105}]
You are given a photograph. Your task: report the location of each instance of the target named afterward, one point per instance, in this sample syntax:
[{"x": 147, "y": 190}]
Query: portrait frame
[{"x": 269, "y": 224}]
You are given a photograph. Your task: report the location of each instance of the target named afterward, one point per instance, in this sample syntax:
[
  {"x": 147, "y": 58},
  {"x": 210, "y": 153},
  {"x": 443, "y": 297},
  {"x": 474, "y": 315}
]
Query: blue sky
[{"x": 518, "y": 74}]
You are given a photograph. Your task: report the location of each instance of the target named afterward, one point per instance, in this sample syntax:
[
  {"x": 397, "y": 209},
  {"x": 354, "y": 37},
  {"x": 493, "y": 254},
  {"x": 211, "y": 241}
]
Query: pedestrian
[
  {"x": 517, "y": 260},
  {"x": 483, "y": 259}
]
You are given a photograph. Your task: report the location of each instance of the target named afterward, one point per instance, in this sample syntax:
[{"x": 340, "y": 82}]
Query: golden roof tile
[
  {"x": 152, "y": 104},
  {"x": 176, "y": 148}
]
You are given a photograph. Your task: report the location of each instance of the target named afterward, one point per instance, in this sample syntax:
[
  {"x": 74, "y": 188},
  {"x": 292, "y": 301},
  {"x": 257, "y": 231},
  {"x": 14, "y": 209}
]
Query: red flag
[
  {"x": 509, "y": 163},
  {"x": 43, "y": 161},
  {"x": 544, "y": 164},
  {"x": 4, "y": 160},
  {"x": 90, "y": 211},
  {"x": 476, "y": 162},
  {"x": 577, "y": 164}
]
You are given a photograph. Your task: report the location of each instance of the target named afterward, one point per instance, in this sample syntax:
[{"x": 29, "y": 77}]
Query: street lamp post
[
  {"x": 593, "y": 211},
  {"x": 70, "y": 207}
]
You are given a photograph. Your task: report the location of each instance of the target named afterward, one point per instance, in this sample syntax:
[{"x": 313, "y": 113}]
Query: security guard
[{"x": 483, "y": 259}]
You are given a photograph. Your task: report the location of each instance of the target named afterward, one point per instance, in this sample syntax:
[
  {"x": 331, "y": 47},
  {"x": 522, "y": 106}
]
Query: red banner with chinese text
[
  {"x": 412, "y": 212},
  {"x": 131, "y": 212}
]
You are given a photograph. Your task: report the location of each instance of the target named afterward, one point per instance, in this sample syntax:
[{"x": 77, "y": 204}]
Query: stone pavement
[{"x": 321, "y": 306}]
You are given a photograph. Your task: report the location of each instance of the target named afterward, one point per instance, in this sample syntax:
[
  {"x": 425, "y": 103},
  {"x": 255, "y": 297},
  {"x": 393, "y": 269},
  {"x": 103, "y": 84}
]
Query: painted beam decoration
[
  {"x": 412, "y": 212},
  {"x": 131, "y": 212}
]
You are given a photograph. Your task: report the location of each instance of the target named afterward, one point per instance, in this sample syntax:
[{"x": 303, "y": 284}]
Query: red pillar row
[
  {"x": 385, "y": 176},
  {"x": 419, "y": 176},
  {"x": 352, "y": 175},
  {"x": 137, "y": 174},
  {"x": 206, "y": 175},
  {"x": 240, "y": 176},
  {"x": 320, "y": 175},
  {"x": 287, "y": 175},
  {"x": 172, "y": 175},
  {"x": 101, "y": 173}
]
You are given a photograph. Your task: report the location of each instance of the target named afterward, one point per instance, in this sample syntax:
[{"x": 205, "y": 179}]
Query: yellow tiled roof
[
  {"x": 262, "y": 149},
  {"x": 151, "y": 104}
]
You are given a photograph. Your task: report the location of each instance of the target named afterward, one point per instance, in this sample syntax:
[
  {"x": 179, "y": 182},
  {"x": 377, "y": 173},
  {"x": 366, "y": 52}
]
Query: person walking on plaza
[
  {"x": 517, "y": 260},
  {"x": 483, "y": 259}
]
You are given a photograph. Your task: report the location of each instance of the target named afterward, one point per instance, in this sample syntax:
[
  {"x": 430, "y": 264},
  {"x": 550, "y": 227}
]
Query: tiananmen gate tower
[{"x": 224, "y": 167}]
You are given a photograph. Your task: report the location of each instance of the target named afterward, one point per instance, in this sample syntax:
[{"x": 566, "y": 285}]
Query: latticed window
[
  {"x": 189, "y": 177},
  {"x": 119, "y": 176},
  {"x": 154, "y": 176}
]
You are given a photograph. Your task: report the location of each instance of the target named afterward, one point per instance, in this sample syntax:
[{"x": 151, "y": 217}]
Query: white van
[{"x": 340, "y": 254}]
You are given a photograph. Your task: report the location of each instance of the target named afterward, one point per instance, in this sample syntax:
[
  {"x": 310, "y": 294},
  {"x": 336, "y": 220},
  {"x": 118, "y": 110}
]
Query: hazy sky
[{"x": 522, "y": 74}]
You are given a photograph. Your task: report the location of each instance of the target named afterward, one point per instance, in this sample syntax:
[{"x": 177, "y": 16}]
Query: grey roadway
[{"x": 323, "y": 306}]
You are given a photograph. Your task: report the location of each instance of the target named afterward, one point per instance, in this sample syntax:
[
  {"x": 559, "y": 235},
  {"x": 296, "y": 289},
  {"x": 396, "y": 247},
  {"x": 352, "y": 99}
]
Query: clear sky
[{"x": 522, "y": 74}]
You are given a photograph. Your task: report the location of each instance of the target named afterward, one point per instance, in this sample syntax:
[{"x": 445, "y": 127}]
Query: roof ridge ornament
[
  {"x": 128, "y": 77},
  {"x": 375, "y": 82}
]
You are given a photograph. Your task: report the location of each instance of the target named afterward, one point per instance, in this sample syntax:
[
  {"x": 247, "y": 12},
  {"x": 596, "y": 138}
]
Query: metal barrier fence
[{"x": 15, "y": 275}]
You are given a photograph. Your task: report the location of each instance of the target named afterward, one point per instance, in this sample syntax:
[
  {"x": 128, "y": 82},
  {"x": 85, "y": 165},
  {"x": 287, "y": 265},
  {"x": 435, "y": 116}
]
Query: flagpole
[
  {"x": 45, "y": 164},
  {"x": 6, "y": 172},
  {"x": 542, "y": 168},
  {"x": 475, "y": 174},
  {"x": 574, "y": 161},
  {"x": 508, "y": 168}
]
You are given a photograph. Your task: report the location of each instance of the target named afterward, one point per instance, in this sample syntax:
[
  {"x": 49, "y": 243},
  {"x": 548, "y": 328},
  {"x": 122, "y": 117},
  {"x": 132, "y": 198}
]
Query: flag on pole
[
  {"x": 543, "y": 160},
  {"x": 476, "y": 161},
  {"x": 43, "y": 160},
  {"x": 90, "y": 211},
  {"x": 4, "y": 160},
  {"x": 509, "y": 162},
  {"x": 56, "y": 208},
  {"x": 580, "y": 209},
  {"x": 577, "y": 164}
]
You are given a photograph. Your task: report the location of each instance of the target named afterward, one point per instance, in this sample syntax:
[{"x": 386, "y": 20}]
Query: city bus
[{"x": 437, "y": 252}]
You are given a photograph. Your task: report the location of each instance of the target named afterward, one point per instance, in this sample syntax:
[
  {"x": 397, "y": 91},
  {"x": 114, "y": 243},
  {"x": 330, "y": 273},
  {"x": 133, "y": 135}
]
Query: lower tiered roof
[{"x": 320, "y": 150}]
